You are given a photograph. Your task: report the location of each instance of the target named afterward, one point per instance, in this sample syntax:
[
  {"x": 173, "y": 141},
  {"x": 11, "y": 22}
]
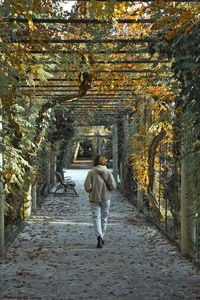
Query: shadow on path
[{"x": 55, "y": 256}]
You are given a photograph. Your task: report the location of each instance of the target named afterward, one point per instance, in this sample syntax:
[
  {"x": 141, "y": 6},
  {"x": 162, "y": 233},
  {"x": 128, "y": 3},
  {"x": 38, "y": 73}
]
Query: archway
[{"x": 85, "y": 150}]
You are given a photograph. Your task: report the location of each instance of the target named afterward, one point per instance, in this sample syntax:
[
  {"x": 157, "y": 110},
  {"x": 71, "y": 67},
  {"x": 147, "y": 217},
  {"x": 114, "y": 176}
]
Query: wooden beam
[
  {"x": 89, "y": 100},
  {"x": 111, "y": 108},
  {"x": 88, "y": 95},
  {"x": 73, "y": 80},
  {"x": 98, "y": 103},
  {"x": 78, "y": 21},
  {"x": 113, "y": 62},
  {"x": 96, "y": 135},
  {"x": 109, "y": 51},
  {"x": 103, "y": 71},
  {"x": 89, "y": 92},
  {"x": 62, "y": 86},
  {"x": 85, "y": 97},
  {"x": 83, "y": 41},
  {"x": 137, "y": 0},
  {"x": 98, "y": 112}
]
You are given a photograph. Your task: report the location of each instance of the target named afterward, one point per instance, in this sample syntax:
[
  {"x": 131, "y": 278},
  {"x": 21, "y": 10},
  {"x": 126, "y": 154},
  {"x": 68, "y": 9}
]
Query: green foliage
[
  {"x": 25, "y": 117},
  {"x": 62, "y": 128},
  {"x": 182, "y": 50}
]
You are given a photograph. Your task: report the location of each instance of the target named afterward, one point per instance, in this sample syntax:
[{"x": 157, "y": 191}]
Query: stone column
[
  {"x": 48, "y": 175},
  {"x": 121, "y": 175},
  {"x": 28, "y": 202},
  {"x": 115, "y": 150},
  {"x": 186, "y": 210},
  {"x": 140, "y": 199},
  {"x": 53, "y": 168},
  {"x": 124, "y": 162},
  {"x": 34, "y": 197},
  {"x": 1, "y": 203},
  {"x": 1, "y": 220},
  {"x": 76, "y": 151},
  {"x": 99, "y": 150}
]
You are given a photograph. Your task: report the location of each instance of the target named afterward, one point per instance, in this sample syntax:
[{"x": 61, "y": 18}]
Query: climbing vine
[
  {"x": 164, "y": 87},
  {"x": 26, "y": 117}
]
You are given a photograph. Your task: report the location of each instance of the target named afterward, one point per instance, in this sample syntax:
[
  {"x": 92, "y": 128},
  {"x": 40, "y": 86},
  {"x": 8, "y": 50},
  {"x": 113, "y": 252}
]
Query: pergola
[
  {"x": 104, "y": 106},
  {"x": 107, "y": 104}
]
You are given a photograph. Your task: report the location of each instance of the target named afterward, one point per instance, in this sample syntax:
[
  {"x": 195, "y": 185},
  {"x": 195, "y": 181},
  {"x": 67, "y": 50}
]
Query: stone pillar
[
  {"x": 140, "y": 199},
  {"x": 1, "y": 203},
  {"x": 115, "y": 150},
  {"x": 121, "y": 175},
  {"x": 48, "y": 175},
  {"x": 99, "y": 150},
  {"x": 124, "y": 162},
  {"x": 34, "y": 197},
  {"x": 53, "y": 168},
  {"x": 76, "y": 151},
  {"x": 186, "y": 210},
  {"x": 1, "y": 220},
  {"x": 27, "y": 202}
]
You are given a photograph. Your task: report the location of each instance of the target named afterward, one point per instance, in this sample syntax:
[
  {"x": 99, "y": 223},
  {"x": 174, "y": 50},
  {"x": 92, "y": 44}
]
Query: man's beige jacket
[{"x": 95, "y": 186}]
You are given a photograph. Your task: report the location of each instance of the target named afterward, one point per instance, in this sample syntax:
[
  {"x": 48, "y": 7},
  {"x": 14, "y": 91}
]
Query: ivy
[{"x": 155, "y": 101}]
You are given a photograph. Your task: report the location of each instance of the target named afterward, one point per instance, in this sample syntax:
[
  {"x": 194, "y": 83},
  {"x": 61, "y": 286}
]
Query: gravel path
[{"x": 55, "y": 256}]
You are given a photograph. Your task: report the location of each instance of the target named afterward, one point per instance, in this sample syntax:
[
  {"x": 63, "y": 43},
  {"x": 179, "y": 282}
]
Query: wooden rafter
[
  {"x": 106, "y": 104},
  {"x": 84, "y": 41},
  {"x": 78, "y": 21},
  {"x": 144, "y": 50},
  {"x": 104, "y": 71}
]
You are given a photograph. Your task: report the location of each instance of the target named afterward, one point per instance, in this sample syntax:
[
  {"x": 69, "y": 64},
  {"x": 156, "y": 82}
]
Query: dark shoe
[
  {"x": 100, "y": 242},
  {"x": 103, "y": 242}
]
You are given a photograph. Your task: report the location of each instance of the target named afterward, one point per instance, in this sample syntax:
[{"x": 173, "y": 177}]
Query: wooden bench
[{"x": 65, "y": 185}]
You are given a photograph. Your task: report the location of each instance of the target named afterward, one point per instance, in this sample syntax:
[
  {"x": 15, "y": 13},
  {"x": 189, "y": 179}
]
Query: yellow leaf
[{"x": 30, "y": 23}]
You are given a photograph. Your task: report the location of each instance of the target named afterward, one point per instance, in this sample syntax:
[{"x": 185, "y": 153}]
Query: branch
[
  {"x": 151, "y": 157},
  {"x": 15, "y": 125},
  {"x": 85, "y": 80}
]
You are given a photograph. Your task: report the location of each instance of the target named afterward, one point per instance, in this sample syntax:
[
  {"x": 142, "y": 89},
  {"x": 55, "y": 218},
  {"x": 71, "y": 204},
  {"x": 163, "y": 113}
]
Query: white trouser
[{"x": 100, "y": 211}]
